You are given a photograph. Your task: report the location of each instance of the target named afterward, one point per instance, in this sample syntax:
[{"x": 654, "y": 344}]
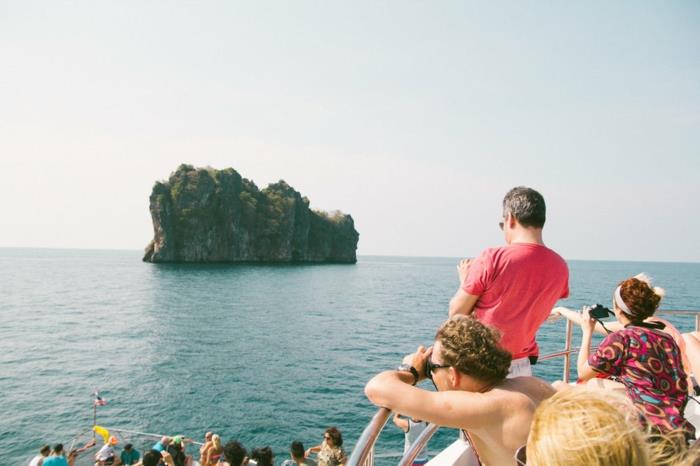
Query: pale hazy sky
[{"x": 414, "y": 117}]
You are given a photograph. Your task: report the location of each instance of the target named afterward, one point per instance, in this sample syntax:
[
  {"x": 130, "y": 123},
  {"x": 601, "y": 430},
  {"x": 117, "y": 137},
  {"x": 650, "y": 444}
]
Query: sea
[{"x": 265, "y": 354}]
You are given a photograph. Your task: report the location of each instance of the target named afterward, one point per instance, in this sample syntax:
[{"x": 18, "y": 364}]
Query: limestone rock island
[{"x": 208, "y": 215}]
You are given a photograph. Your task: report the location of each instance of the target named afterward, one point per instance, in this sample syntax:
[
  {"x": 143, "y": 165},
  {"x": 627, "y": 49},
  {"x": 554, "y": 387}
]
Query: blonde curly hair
[
  {"x": 587, "y": 426},
  {"x": 472, "y": 348}
]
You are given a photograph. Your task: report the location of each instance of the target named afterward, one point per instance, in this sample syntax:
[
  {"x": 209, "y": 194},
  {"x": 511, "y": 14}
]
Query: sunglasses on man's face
[
  {"x": 521, "y": 456},
  {"x": 430, "y": 366}
]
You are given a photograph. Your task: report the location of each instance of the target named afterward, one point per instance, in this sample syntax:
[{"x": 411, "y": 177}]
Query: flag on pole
[
  {"x": 99, "y": 401},
  {"x": 102, "y": 432}
]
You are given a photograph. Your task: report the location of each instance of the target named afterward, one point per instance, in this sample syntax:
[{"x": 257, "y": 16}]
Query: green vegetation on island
[{"x": 209, "y": 215}]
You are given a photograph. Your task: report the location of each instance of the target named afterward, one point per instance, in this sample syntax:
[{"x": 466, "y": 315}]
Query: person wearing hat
[{"x": 106, "y": 455}]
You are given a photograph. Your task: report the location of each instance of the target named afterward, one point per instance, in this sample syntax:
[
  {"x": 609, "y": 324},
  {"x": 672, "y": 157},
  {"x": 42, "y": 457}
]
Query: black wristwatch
[{"x": 411, "y": 369}]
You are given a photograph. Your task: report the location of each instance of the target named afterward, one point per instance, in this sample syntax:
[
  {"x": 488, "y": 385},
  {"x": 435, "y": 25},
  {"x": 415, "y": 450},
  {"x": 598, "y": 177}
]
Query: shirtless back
[{"x": 514, "y": 405}]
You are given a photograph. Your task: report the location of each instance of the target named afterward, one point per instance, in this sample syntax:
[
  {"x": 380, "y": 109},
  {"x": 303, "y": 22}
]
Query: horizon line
[{"x": 419, "y": 256}]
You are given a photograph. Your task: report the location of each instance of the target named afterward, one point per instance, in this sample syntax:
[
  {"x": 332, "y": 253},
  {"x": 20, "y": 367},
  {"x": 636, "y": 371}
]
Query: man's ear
[
  {"x": 510, "y": 220},
  {"x": 455, "y": 376}
]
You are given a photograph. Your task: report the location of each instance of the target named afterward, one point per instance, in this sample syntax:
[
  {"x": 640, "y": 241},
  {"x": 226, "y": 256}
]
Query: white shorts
[{"x": 519, "y": 367}]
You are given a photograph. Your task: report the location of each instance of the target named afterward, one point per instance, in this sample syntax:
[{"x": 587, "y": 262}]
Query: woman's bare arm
[{"x": 575, "y": 317}]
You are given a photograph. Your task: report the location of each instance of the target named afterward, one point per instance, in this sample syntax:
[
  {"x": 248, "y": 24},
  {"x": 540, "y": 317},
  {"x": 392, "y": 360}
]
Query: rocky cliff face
[{"x": 208, "y": 215}]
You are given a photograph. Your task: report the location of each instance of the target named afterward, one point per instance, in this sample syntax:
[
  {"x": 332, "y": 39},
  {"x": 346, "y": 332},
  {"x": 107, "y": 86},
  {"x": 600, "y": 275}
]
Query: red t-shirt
[{"x": 517, "y": 286}]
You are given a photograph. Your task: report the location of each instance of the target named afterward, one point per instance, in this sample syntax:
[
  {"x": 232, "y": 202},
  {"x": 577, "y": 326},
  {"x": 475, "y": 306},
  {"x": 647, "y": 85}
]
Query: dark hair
[
  {"x": 45, "y": 450},
  {"x": 526, "y": 205},
  {"x": 472, "y": 348},
  {"x": 336, "y": 436},
  {"x": 58, "y": 448},
  {"x": 262, "y": 456},
  {"x": 640, "y": 297},
  {"x": 152, "y": 458},
  {"x": 297, "y": 449},
  {"x": 234, "y": 452},
  {"x": 175, "y": 450},
  {"x": 128, "y": 446}
]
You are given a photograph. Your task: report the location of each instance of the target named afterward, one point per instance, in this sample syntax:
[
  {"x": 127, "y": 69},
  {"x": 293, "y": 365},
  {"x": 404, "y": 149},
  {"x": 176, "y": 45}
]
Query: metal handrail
[
  {"x": 362, "y": 454},
  {"x": 148, "y": 434},
  {"x": 418, "y": 445}
]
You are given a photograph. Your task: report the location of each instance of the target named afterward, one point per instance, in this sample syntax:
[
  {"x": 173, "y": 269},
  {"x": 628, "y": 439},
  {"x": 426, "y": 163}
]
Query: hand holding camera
[
  {"x": 591, "y": 315},
  {"x": 600, "y": 312}
]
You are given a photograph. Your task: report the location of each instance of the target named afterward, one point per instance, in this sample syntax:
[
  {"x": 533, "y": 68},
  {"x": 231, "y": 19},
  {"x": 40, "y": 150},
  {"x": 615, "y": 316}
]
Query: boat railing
[
  {"x": 421, "y": 441},
  {"x": 363, "y": 453}
]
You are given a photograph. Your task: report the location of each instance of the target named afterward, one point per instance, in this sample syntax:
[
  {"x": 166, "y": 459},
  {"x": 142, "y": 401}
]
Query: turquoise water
[{"x": 264, "y": 354}]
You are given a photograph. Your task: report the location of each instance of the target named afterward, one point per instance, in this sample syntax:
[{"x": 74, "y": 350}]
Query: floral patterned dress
[
  {"x": 648, "y": 363},
  {"x": 330, "y": 456}
]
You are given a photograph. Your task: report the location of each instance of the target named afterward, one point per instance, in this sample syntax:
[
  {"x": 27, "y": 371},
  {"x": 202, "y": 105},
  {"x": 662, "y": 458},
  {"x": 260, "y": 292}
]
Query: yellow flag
[{"x": 102, "y": 432}]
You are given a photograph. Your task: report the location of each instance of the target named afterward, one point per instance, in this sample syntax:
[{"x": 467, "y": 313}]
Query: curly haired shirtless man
[{"x": 468, "y": 368}]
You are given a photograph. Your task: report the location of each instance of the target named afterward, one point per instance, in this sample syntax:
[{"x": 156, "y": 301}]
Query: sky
[{"x": 414, "y": 117}]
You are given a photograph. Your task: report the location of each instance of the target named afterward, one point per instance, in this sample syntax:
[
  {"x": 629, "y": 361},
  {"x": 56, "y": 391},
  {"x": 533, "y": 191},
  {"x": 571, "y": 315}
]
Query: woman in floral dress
[
  {"x": 640, "y": 356},
  {"x": 330, "y": 451}
]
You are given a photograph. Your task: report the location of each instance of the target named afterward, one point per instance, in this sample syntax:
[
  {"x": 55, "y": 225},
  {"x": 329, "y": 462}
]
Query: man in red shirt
[{"x": 514, "y": 287}]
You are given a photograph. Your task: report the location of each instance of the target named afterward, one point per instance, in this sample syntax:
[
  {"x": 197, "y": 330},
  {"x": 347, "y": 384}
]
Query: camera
[{"x": 600, "y": 312}]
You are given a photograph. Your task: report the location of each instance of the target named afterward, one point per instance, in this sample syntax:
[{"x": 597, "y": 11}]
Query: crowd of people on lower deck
[{"x": 173, "y": 451}]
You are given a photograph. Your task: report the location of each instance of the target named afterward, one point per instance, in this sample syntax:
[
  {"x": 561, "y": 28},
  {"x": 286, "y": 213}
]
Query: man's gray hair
[{"x": 526, "y": 205}]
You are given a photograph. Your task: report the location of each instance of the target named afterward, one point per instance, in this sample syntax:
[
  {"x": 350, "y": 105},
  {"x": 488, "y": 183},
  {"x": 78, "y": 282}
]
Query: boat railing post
[
  {"x": 417, "y": 445},
  {"x": 364, "y": 448},
  {"x": 370, "y": 458},
  {"x": 567, "y": 348}
]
